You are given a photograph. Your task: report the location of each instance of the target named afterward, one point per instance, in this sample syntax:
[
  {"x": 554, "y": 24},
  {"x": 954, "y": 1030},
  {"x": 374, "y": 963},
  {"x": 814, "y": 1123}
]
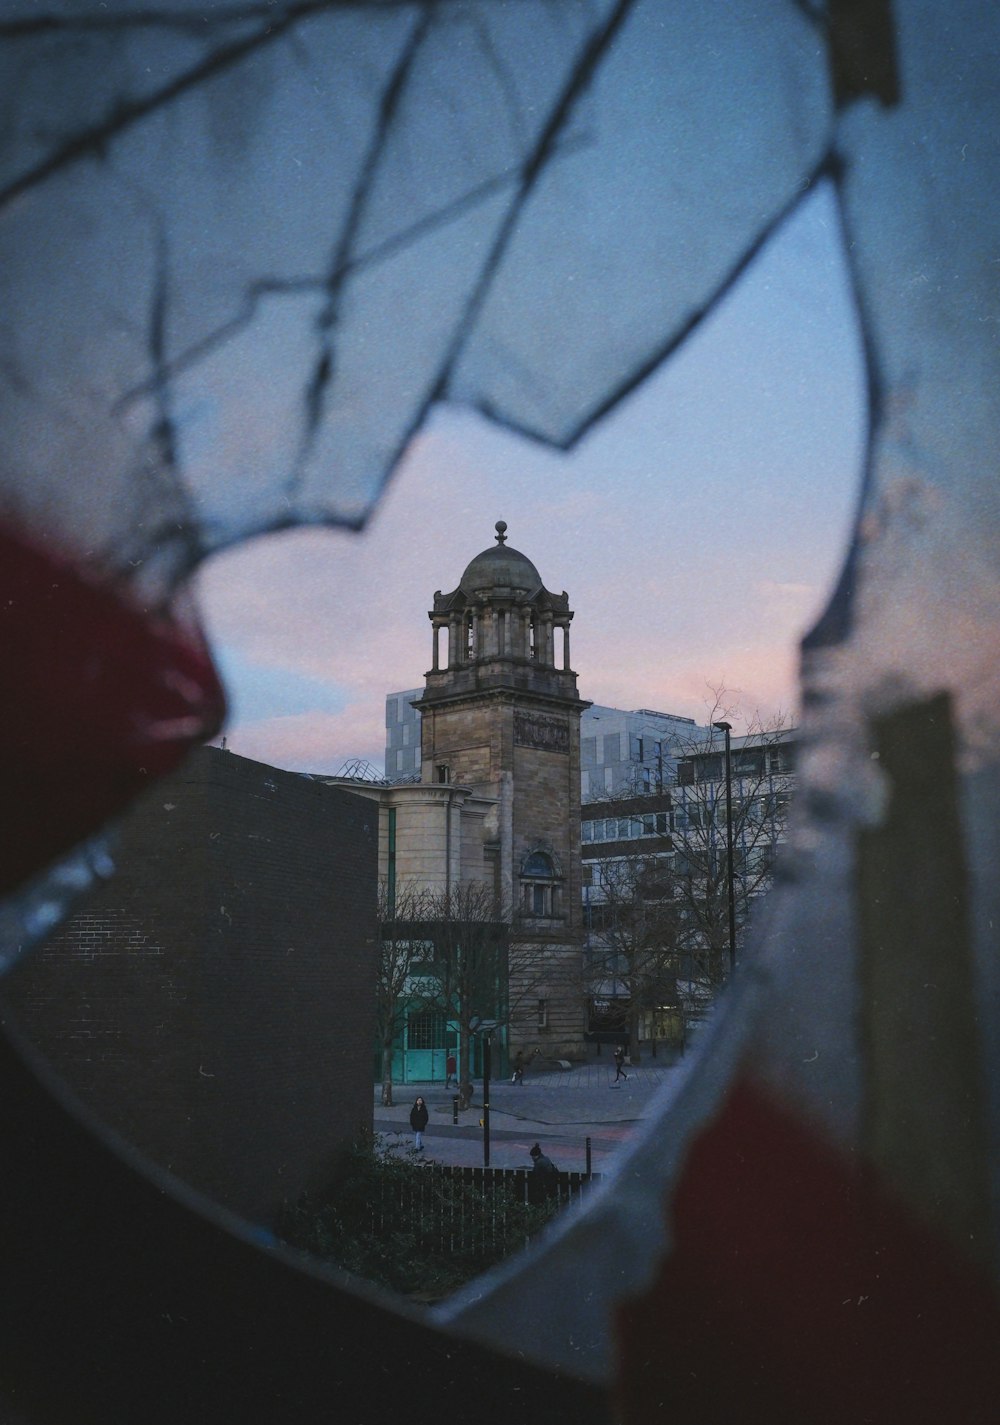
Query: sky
[{"x": 698, "y": 530}]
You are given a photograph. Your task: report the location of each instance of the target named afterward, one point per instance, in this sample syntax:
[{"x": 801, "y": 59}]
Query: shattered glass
[{"x": 243, "y": 249}]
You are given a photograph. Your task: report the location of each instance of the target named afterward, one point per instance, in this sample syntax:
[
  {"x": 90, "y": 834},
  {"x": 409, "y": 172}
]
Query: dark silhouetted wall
[{"x": 214, "y": 1002}]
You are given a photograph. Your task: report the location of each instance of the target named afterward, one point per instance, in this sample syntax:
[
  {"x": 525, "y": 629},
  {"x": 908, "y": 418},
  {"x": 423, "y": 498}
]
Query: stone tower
[{"x": 500, "y": 714}]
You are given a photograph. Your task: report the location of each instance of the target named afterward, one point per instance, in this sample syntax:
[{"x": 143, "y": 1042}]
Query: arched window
[
  {"x": 539, "y": 891},
  {"x": 539, "y": 863}
]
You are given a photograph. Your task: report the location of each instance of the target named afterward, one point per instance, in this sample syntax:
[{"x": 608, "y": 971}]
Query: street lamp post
[
  {"x": 727, "y": 728},
  {"x": 485, "y": 1027},
  {"x": 487, "y": 1069}
]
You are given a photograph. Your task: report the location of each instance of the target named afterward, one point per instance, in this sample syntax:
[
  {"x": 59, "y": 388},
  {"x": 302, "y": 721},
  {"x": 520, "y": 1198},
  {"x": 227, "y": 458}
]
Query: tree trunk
[{"x": 387, "y": 1076}]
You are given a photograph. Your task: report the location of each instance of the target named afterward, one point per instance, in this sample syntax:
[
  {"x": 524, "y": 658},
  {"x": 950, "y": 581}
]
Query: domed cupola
[
  {"x": 500, "y": 572},
  {"x": 503, "y": 629}
]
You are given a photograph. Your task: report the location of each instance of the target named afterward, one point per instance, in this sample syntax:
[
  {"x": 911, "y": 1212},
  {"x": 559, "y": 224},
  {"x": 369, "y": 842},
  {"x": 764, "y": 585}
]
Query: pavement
[{"x": 559, "y": 1108}]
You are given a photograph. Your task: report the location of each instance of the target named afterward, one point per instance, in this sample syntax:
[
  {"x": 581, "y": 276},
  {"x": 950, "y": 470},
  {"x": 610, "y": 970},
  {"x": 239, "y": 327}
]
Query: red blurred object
[
  {"x": 100, "y": 697},
  {"x": 799, "y": 1290}
]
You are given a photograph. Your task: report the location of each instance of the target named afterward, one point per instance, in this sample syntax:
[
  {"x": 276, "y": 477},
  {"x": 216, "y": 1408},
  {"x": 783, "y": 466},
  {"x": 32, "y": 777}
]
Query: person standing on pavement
[
  {"x": 540, "y": 1164},
  {"x": 544, "y": 1175},
  {"x": 418, "y": 1122},
  {"x": 451, "y": 1071},
  {"x": 619, "y": 1065},
  {"x": 517, "y": 1077}
]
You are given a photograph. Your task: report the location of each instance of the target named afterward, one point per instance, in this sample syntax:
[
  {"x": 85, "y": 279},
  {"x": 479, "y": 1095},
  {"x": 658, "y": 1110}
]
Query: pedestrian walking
[
  {"x": 451, "y": 1071},
  {"x": 517, "y": 1077},
  {"x": 619, "y": 1066},
  {"x": 418, "y": 1122}
]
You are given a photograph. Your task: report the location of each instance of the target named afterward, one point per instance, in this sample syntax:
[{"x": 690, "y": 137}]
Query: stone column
[
  {"x": 519, "y": 632},
  {"x": 528, "y": 620}
]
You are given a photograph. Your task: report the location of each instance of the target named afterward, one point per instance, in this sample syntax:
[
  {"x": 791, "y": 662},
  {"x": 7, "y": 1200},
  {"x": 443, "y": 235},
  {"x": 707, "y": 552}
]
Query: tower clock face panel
[{"x": 548, "y": 734}]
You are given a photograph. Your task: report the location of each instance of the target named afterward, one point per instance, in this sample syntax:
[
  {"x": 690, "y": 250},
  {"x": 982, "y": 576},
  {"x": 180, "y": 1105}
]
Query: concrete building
[
  {"x": 402, "y": 734},
  {"x": 630, "y": 753}
]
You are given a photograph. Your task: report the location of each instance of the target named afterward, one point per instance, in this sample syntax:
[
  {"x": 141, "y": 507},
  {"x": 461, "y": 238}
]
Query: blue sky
[
  {"x": 256, "y": 695},
  {"x": 697, "y": 530}
]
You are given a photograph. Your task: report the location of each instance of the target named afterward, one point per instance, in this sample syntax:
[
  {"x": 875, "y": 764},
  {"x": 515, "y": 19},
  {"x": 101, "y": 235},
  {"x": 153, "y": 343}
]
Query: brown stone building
[
  {"x": 501, "y": 714},
  {"x": 498, "y": 803}
]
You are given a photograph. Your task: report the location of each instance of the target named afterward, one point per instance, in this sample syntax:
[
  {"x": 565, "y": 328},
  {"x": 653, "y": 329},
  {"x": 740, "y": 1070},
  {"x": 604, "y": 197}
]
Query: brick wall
[{"x": 214, "y": 1003}]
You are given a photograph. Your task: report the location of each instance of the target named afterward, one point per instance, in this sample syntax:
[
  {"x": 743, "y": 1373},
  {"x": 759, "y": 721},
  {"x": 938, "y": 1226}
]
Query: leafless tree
[
  {"x": 761, "y": 786},
  {"x": 664, "y": 908},
  {"x": 635, "y": 947},
  {"x": 468, "y": 986},
  {"x": 460, "y": 955},
  {"x": 396, "y": 987}
]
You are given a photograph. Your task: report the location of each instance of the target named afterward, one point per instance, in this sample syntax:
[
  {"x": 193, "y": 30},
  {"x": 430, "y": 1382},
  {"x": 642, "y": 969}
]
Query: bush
[{"x": 411, "y": 1226}]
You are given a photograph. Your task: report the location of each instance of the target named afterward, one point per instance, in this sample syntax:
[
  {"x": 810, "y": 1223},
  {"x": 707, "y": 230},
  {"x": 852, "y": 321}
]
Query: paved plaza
[{"x": 559, "y": 1108}]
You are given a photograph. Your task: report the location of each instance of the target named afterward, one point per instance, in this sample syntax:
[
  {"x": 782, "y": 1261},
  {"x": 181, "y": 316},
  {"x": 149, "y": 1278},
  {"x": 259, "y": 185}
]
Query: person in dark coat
[
  {"x": 418, "y": 1121},
  {"x": 544, "y": 1175},
  {"x": 517, "y": 1077},
  {"x": 620, "y": 1065},
  {"x": 450, "y": 1071}
]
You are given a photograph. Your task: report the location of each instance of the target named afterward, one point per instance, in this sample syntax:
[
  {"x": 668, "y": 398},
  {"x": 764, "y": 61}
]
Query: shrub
[{"x": 411, "y": 1226}]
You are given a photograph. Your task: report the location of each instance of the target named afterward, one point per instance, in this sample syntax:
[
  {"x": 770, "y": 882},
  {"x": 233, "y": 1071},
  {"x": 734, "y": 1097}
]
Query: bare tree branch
[
  {"x": 662, "y": 905},
  {"x": 457, "y": 940},
  {"x": 634, "y": 953}
]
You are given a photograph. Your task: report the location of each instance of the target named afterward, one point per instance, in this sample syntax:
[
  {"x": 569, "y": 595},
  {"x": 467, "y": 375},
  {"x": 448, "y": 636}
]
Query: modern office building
[
  {"x": 630, "y": 753},
  {"x": 402, "y": 735}
]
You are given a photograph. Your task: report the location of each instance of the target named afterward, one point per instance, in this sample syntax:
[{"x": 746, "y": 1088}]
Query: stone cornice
[{"x": 519, "y": 697}]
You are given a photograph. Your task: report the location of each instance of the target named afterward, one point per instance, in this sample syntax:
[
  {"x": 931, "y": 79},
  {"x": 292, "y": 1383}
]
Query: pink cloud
[
  {"x": 663, "y": 606},
  {"x": 309, "y": 742},
  {"x": 760, "y": 679}
]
